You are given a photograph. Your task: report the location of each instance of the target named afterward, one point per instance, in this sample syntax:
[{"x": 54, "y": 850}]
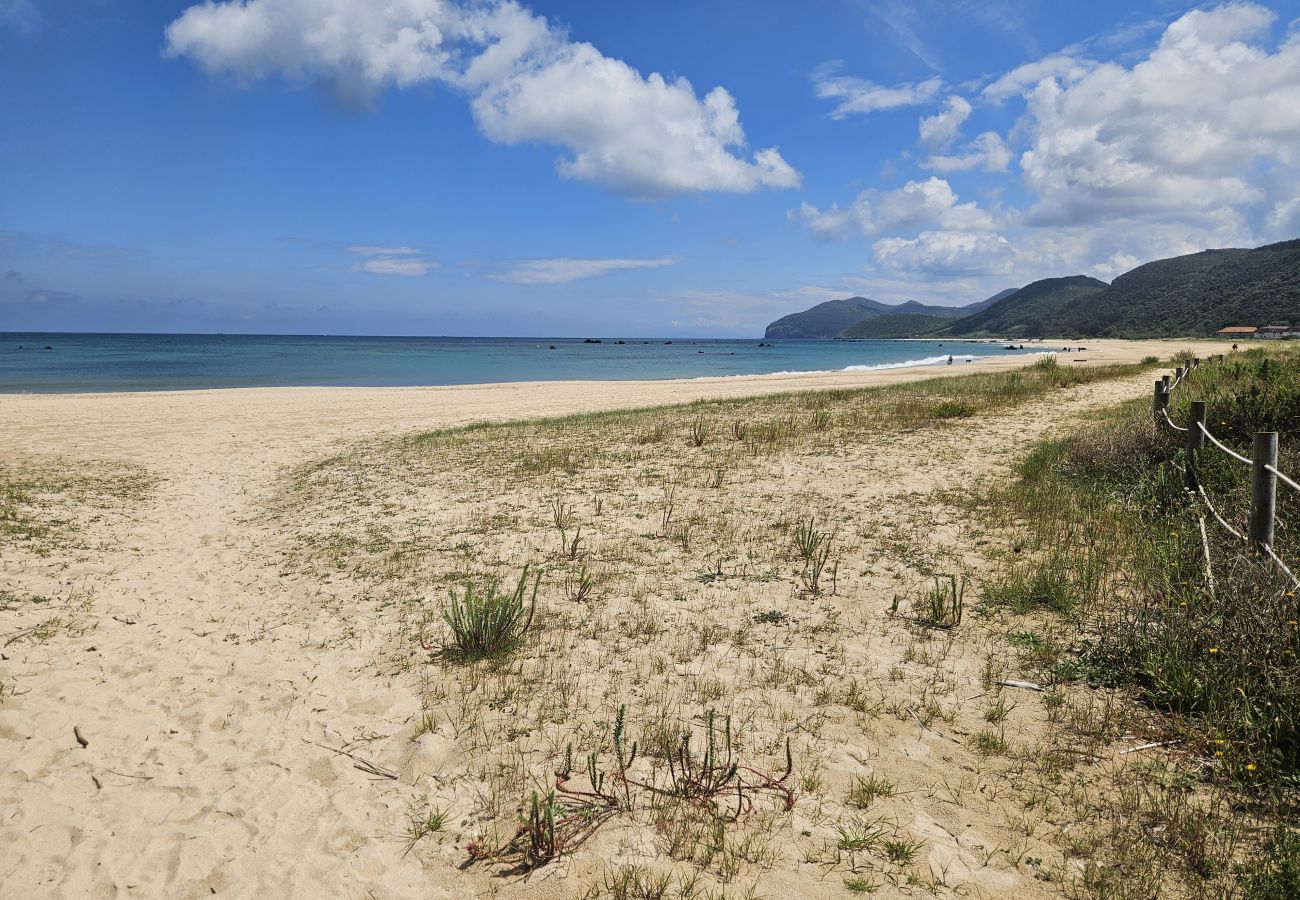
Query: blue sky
[{"x": 566, "y": 168}]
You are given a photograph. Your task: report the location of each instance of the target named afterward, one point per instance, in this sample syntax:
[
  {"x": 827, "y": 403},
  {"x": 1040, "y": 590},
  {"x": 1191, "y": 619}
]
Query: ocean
[{"x": 62, "y": 363}]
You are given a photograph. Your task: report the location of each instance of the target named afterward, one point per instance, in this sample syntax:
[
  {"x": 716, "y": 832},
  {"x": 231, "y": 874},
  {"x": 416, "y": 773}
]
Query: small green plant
[
  {"x": 952, "y": 409},
  {"x": 699, "y": 433},
  {"x": 578, "y": 586},
  {"x": 945, "y": 602},
  {"x": 563, "y": 518},
  {"x": 901, "y": 852},
  {"x": 989, "y": 743},
  {"x": 864, "y": 791},
  {"x": 858, "y": 837},
  {"x": 998, "y": 712},
  {"x": 421, "y": 826},
  {"x": 543, "y": 841},
  {"x": 553, "y": 826},
  {"x": 485, "y": 623},
  {"x": 633, "y": 882},
  {"x": 814, "y": 548},
  {"x": 860, "y": 885},
  {"x": 717, "y": 775}
]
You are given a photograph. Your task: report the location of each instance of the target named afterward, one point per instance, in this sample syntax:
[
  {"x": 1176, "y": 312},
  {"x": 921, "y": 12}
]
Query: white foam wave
[{"x": 907, "y": 363}]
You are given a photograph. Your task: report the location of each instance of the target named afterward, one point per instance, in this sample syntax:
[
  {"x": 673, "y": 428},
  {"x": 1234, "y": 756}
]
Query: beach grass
[
  {"x": 1134, "y": 588},
  {"x": 45, "y": 502},
  {"x": 717, "y": 562}
]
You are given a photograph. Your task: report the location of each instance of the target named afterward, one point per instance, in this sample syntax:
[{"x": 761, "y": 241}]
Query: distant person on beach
[{"x": 950, "y": 360}]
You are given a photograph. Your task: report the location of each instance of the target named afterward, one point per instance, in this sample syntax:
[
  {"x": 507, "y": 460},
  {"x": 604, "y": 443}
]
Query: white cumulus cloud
[
  {"x": 941, "y": 129},
  {"x": 1066, "y": 67},
  {"x": 526, "y": 81},
  {"x": 988, "y": 152},
  {"x": 1181, "y": 134},
  {"x": 918, "y": 204},
  {"x": 947, "y": 253},
  {"x": 564, "y": 269}
]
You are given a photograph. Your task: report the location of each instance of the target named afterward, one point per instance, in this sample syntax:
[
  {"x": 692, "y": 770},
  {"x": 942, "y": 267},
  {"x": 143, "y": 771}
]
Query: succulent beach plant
[{"x": 488, "y": 623}]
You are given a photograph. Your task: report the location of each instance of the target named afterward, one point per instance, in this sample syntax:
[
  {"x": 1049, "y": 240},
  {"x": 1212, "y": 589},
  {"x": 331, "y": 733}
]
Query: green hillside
[
  {"x": 832, "y": 318},
  {"x": 895, "y": 325},
  {"x": 1189, "y": 295},
  {"x": 825, "y": 320},
  {"x": 1033, "y": 311},
  {"x": 1194, "y": 295}
]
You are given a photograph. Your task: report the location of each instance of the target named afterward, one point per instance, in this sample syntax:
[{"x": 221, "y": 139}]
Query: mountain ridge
[
  {"x": 829, "y": 319},
  {"x": 1189, "y": 295}
]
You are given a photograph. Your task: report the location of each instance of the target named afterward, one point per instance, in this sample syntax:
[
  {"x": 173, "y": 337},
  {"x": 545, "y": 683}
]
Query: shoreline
[
  {"x": 1103, "y": 351},
  {"x": 224, "y": 430}
]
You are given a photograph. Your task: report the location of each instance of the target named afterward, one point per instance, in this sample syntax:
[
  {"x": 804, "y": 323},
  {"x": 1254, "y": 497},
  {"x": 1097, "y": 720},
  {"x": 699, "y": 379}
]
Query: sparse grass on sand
[
  {"x": 45, "y": 502},
  {"x": 716, "y": 589},
  {"x": 54, "y": 512}
]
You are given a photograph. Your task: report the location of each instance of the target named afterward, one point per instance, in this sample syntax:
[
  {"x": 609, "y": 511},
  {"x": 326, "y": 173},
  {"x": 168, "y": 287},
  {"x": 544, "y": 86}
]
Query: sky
[{"x": 632, "y": 169}]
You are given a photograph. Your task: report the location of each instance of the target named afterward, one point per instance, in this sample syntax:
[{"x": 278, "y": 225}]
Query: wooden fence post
[
  {"x": 1195, "y": 436},
  {"x": 1165, "y": 379},
  {"x": 1159, "y": 400},
  {"x": 1178, "y": 374},
  {"x": 1263, "y": 490}
]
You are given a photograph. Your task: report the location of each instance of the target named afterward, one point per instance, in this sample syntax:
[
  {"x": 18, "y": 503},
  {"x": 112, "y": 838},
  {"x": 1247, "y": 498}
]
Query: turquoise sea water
[{"x": 55, "y": 363}]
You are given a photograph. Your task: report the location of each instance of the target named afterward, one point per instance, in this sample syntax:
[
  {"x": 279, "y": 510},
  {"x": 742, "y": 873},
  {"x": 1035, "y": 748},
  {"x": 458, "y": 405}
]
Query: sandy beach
[{"x": 220, "y": 648}]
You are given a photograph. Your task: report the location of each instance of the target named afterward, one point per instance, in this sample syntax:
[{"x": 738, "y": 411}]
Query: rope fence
[{"x": 1265, "y": 474}]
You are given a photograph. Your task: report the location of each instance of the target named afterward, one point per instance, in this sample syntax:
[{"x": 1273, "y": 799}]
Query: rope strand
[
  {"x": 1210, "y": 506},
  {"x": 1216, "y": 442},
  {"x": 1281, "y": 565}
]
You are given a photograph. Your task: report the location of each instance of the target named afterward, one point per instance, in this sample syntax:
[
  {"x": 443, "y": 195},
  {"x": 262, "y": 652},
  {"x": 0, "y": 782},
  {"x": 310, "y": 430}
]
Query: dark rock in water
[
  {"x": 551, "y": 347},
  {"x": 48, "y": 347},
  {"x": 593, "y": 341},
  {"x": 622, "y": 342},
  {"x": 666, "y": 343}
]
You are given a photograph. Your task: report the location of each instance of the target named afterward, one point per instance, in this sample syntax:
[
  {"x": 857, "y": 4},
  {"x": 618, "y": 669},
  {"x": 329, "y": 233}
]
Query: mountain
[
  {"x": 825, "y": 319},
  {"x": 1195, "y": 294},
  {"x": 830, "y": 319},
  {"x": 971, "y": 309},
  {"x": 895, "y": 325},
  {"x": 1033, "y": 311}
]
